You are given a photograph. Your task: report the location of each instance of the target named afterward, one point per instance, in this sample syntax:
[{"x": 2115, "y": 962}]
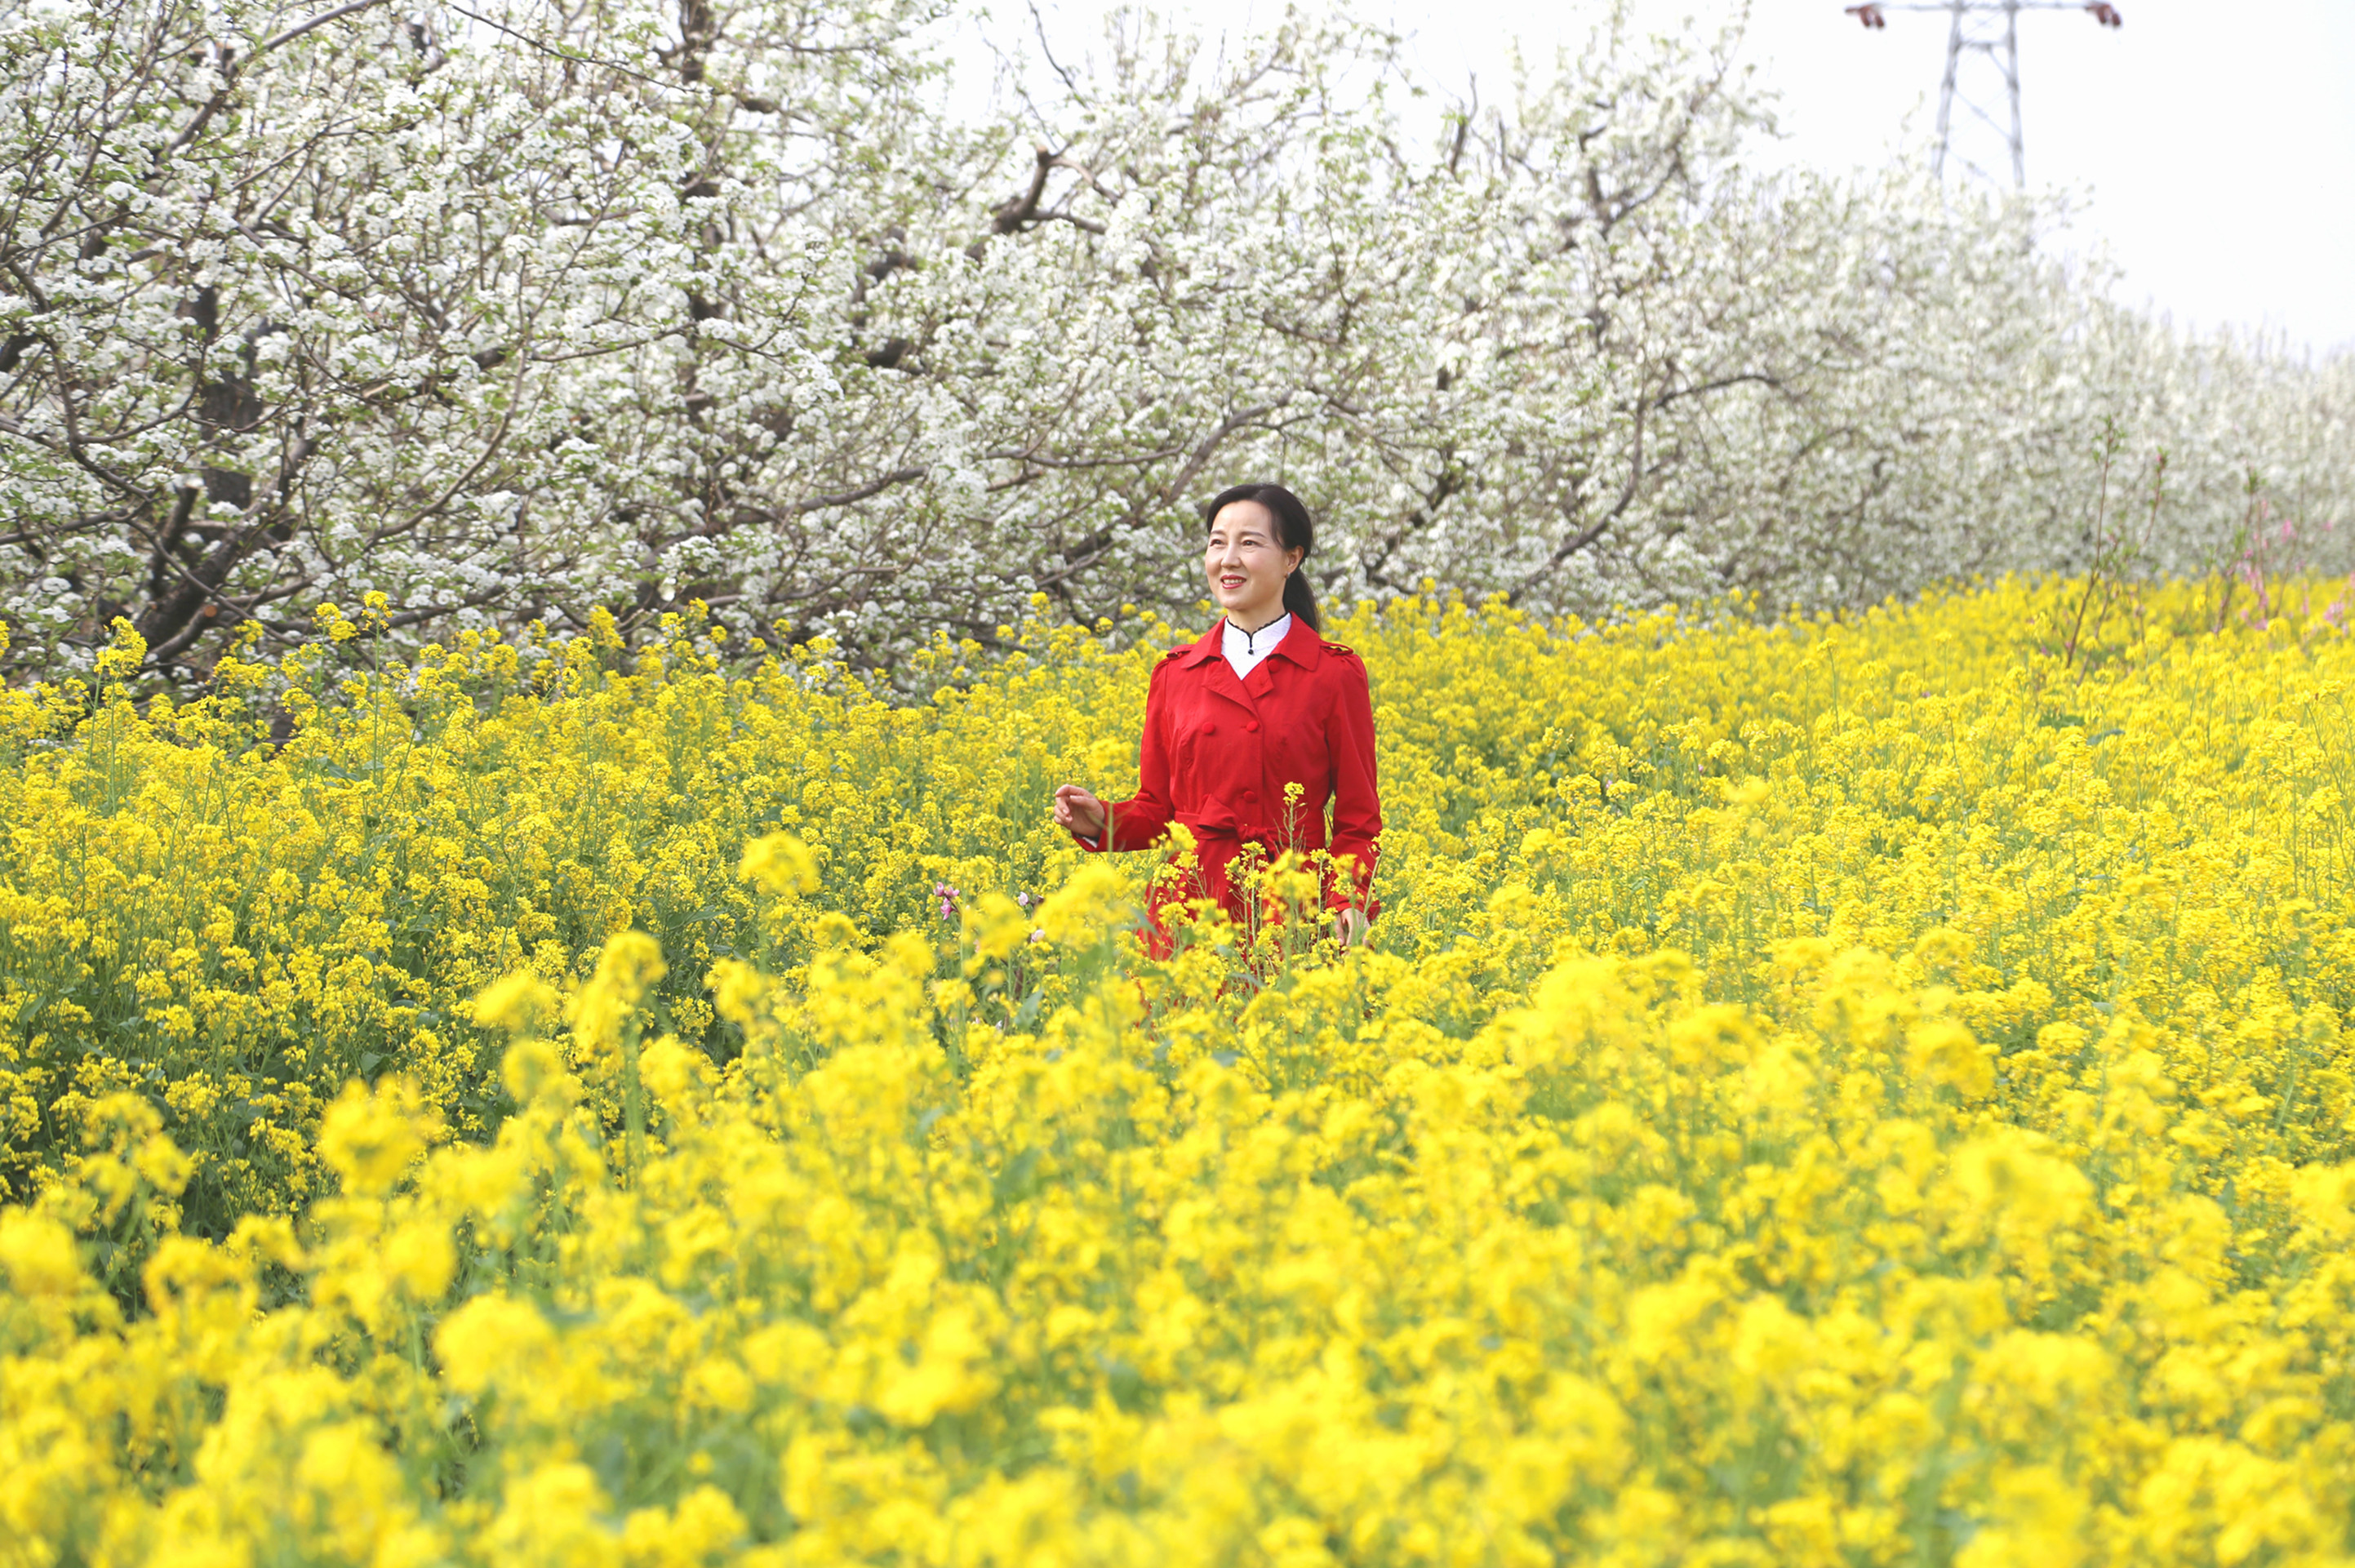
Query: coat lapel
[
  {"x": 1220, "y": 677},
  {"x": 1301, "y": 646}
]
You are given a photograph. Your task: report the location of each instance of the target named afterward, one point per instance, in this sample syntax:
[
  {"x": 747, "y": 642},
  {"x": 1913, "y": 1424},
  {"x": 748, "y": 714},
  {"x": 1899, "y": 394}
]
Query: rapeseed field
[{"x": 1842, "y": 1092}]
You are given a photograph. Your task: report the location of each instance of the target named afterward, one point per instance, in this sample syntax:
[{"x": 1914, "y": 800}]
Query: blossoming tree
[{"x": 513, "y": 314}]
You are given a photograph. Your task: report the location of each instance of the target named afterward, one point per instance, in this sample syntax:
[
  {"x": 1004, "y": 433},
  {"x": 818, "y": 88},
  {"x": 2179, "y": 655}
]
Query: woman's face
[{"x": 1247, "y": 564}]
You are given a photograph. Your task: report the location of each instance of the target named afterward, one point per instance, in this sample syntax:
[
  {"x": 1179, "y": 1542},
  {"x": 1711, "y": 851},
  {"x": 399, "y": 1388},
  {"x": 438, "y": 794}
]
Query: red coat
[{"x": 1218, "y": 751}]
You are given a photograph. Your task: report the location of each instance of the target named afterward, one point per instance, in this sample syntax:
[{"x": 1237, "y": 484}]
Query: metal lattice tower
[{"x": 1983, "y": 59}]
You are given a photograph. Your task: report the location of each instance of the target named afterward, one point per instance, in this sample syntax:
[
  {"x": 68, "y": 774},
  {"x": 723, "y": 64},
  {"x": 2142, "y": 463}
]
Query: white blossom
[{"x": 515, "y": 318}]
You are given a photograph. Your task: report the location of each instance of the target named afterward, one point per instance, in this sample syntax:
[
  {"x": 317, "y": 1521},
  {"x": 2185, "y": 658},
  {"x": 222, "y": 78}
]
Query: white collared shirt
[{"x": 1244, "y": 650}]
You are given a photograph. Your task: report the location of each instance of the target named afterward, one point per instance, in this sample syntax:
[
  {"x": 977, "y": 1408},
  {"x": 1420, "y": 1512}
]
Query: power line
[{"x": 1983, "y": 54}]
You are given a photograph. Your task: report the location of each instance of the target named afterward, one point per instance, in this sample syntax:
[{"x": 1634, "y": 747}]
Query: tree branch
[{"x": 321, "y": 20}]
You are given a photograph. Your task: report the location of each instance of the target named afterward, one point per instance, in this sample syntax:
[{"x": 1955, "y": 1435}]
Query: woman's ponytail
[
  {"x": 1294, "y": 530},
  {"x": 1300, "y": 599}
]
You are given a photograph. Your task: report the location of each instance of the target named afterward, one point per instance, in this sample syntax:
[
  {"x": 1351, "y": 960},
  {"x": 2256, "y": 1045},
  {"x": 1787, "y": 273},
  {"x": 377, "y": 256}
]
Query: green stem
[{"x": 633, "y": 1101}]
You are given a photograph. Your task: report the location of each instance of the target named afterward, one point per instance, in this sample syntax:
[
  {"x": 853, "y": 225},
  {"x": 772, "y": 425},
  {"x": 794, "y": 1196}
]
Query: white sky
[{"x": 2214, "y": 140}]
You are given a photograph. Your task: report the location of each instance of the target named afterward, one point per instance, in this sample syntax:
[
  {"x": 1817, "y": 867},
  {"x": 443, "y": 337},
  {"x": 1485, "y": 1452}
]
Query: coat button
[
  {"x": 1250, "y": 794},
  {"x": 1251, "y": 725},
  {"x": 1210, "y": 729}
]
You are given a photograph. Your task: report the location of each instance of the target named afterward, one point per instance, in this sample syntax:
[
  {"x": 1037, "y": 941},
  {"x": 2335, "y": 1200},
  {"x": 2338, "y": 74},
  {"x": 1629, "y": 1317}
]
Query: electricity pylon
[{"x": 1986, "y": 30}]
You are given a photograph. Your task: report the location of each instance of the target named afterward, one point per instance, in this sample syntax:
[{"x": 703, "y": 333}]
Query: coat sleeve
[
  {"x": 1356, "y": 802},
  {"x": 1138, "y": 822}
]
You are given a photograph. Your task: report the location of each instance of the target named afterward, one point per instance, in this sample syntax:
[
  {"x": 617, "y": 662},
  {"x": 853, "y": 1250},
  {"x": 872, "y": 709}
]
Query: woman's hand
[
  {"x": 1350, "y": 926},
  {"x": 1077, "y": 810}
]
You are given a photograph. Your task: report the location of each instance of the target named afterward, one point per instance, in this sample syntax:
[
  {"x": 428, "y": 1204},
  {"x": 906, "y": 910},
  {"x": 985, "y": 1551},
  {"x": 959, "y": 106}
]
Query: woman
[{"x": 1250, "y": 733}]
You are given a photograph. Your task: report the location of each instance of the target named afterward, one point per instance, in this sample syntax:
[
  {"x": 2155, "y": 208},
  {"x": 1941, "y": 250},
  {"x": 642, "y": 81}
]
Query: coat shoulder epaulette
[
  {"x": 1176, "y": 653},
  {"x": 1342, "y": 648}
]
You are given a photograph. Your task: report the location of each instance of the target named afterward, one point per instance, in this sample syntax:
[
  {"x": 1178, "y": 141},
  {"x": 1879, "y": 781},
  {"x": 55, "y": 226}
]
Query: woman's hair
[{"x": 1294, "y": 530}]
